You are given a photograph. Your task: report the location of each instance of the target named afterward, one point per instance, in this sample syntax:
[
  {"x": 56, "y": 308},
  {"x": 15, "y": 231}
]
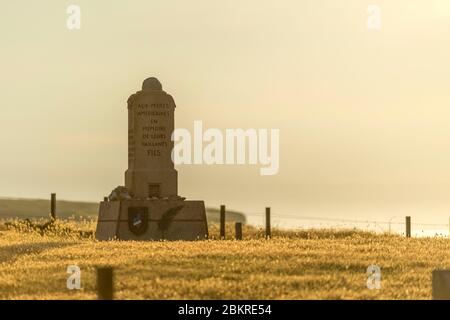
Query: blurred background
[{"x": 363, "y": 114}]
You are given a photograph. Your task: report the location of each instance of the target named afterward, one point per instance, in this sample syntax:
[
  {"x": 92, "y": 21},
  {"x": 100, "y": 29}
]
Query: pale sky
[{"x": 364, "y": 116}]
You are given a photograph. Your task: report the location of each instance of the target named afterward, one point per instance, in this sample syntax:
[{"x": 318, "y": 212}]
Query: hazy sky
[{"x": 364, "y": 116}]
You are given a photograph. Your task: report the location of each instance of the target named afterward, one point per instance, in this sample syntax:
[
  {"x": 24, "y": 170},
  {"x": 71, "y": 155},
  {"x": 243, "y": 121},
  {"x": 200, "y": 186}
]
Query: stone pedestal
[{"x": 152, "y": 220}]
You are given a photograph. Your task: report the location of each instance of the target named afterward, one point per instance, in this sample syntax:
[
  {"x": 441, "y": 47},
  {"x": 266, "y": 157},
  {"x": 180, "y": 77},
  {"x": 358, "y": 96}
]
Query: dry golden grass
[{"x": 293, "y": 265}]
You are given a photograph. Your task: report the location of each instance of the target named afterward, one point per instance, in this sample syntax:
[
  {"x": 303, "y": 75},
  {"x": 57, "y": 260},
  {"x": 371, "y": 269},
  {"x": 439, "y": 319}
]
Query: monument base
[{"x": 152, "y": 220}]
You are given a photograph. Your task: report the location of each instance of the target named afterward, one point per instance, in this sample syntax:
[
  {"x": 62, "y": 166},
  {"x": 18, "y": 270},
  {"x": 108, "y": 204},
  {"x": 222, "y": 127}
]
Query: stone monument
[{"x": 148, "y": 207}]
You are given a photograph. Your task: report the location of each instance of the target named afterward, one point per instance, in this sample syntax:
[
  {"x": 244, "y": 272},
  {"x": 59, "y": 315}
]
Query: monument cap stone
[{"x": 151, "y": 84}]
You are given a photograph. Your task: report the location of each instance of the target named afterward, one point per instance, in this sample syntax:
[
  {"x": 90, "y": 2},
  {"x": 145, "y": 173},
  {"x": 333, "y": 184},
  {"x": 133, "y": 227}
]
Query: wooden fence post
[
  {"x": 408, "y": 227},
  {"x": 53, "y": 206},
  {"x": 105, "y": 199},
  {"x": 268, "y": 231},
  {"x": 238, "y": 230},
  {"x": 222, "y": 222},
  {"x": 441, "y": 285},
  {"x": 105, "y": 285}
]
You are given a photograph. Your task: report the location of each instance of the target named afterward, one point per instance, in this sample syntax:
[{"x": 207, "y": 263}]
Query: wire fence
[{"x": 392, "y": 225}]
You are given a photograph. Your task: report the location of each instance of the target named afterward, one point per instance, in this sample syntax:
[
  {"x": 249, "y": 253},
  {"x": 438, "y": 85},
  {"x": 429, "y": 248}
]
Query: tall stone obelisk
[
  {"x": 148, "y": 207},
  {"x": 151, "y": 171}
]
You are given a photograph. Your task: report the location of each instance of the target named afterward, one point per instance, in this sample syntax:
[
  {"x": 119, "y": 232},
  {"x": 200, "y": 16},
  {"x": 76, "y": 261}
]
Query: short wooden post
[
  {"x": 238, "y": 230},
  {"x": 408, "y": 227},
  {"x": 222, "y": 222},
  {"x": 53, "y": 206},
  {"x": 105, "y": 283},
  {"x": 105, "y": 199},
  {"x": 441, "y": 285},
  {"x": 268, "y": 231}
]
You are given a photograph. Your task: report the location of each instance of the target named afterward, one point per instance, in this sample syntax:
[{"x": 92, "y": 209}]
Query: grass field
[{"x": 310, "y": 264}]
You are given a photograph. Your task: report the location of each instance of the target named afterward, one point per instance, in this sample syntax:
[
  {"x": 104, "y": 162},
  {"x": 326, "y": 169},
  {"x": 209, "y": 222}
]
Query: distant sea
[{"x": 380, "y": 223}]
